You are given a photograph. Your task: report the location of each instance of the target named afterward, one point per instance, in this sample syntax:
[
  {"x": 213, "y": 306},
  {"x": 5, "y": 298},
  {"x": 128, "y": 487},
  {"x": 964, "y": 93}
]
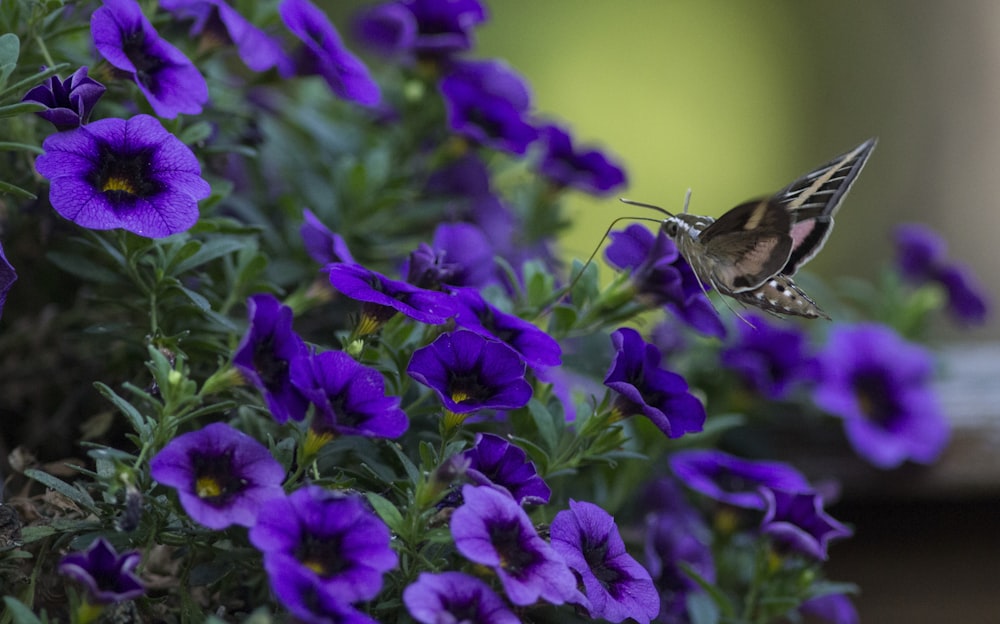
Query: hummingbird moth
[{"x": 751, "y": 252}]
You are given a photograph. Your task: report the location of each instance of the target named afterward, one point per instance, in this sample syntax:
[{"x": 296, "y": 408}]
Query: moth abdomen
[{"x": 781, "y": 295}]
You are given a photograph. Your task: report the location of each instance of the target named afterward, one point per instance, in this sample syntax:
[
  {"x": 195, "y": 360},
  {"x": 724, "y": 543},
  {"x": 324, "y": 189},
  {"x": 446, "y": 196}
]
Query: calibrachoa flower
[
  {"x": 455, "y": 597},
  {"x": 421, "y": 28},
  {"x": 616, "y": 586},
  {"x": 587, "y": 170},
  {"x": 323, "y": 54},
  {"x": 469, "y": 372},
  {"x": 222, "y": 476},
  {"x": 215, "y": 18},
  {"x": 797, "y": 521},
  {"x": 470, "y": 252},
  {"x": 265, "y": 356},
  {"x": 128, "y": 41},
  {"x": 323, "y": 245},
  {"x": 832, "y": 608},
  {"x": 645, "y": 388},
  {"x": 661, "y": 275},
  {"x": 921, "y": 258},
  {"x": 536, "y": 347},
  {"x": 734, "y": 480},
  {"x": 349, "y": 397},
  {"x": 384, "y": 297},
  {"x": 491, "y": 529},
  {"x": 496, "y": 462},
  {"x": 770, "y": 359},
  {"x": 880, "y": 385},
  {"x": 323, "y": 550},
  {"x": 68, "y": 102},
  {"x": 428, "y": 267},
  {"x": 7, "y": 278},
  {"x": 487, "y": 102},
  {"x": 123, "y": 173},
  {"x": 109, "y": 577}
]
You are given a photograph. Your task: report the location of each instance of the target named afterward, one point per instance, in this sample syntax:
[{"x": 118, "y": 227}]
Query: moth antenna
[
  {"x": 687, "y": 201},
  {"x": 644, "y": 205}
]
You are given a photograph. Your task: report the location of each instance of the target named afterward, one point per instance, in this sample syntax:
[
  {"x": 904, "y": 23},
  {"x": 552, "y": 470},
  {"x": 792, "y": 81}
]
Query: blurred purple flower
[
  {"x": 468, "y": 248},
  {"x": 616, "y": 585},
  {"x": 645, "y": 388},
  {"x": 222, "y": 476},
  {"x": 536, "y": 347},
  {"x": 322, "y": 245},
  {"x": 7, "y": 278},
  {"x": 921, "y": 258},
  {"x": 349, "y": 397},
  {"x": 486, "y": 101},
  {"x": 880, "y": 385},
  {"x": 455, "y": 597},
  {"x": 427, "y": 29},
  {"x": 123, "y": 173},
  {"x": 68, "y": 102},
  {"x": 832, "y": 608},
  {"x": 128, "y": 41},
  {"x": 495, "y": 462},
  {"x": 733, "y": 480},
  {"x": 259, "y": 50},
  {"x": 661, "y": 275},
  {"x": 323, "y": 54},
  {"x": 384, "y": 297},
  {"x": 266, "y": 353},
  {"x": 428, "y": 267},
  {"x": 491, "y": 529},
  {"x": 770, "y": 359},
  {"x": 797, "y": 521},
  {"x": 109, "y": 577},
  {"x": 588, "y": 170}
]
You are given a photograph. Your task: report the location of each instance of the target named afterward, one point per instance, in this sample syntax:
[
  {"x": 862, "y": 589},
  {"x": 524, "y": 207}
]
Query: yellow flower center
[
  {"x": 115, "y": 183},
  {"x": 459, "y": 395},
  {"x": 207, "y": 487},
  {"x": 315, "y": 566}
]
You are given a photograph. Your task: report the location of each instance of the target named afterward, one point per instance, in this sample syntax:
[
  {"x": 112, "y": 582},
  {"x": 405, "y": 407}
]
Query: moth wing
[{"x": 745, "y": 260}]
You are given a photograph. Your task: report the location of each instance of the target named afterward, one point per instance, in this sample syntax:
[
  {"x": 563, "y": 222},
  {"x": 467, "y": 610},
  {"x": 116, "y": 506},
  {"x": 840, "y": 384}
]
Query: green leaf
[
  {"x": 36, "y": 532},
  {"x": 209, "y": 251},
  {"x": 79, "y": 266},
  {"x": 137, "y": 420},
  {"x": 75, "y": 494},
  {"x": 545, "y": 423},
  {"x": 20, "y": 108},
  {"x": 10, "y": 49},
  {"x": 199, "y": 300},
  {"x": 702, "y": 609},
  {"x": 387, "y": 511},
  {"x": 16, "y": 191},
  {"x": 19, "y": 612},
  {"x": 195, "y": 133}
]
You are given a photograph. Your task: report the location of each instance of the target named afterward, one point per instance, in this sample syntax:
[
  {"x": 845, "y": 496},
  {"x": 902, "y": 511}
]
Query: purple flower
[
  {"x": 491, "y": 529},
  {"x": 661, "y": 275},
  {"x": 469, "y": 372},
  {"x": 881, "y": 386},
  {"x": 427, "y": 268},
  {"x": 384, "y": 297},
  {"x": 128, "y": 41},
  {"x": 123, "y": 173},
  {"x": 421, "y": 28},
  {"x": 7, "y": 278},
  {"x": 832, "y": 608},
  {"x": 770, "y": 359},
  {"x": 266, "y": 353},
  {"x": 487, "y": 102},
  {"x": 349, "y": 397},
  {"x": 643, "y": 387},
  {"x": 68, "y": 102},
  {"x": 109, "y": 577},
  {"x": 469, "y": 250},
  {"x": 323, "y": 54},
  {"x": 536, "y": 347},
  {"x": 921, "y": 258},
  {"x": 587, "y": 170},
  {"x": 496, "y": 462},
  {"x": 258, "y": 50},
  {"x": 733, "y": 480},
  {"x": 222, "y": 476},
  {"x": 455, "y": 597},
  {"x": 323, "y": 551},
  {"x": 797, "y": 521},
  {"x": 322, "y": 245},
  {"x": 616, "y": 586}
]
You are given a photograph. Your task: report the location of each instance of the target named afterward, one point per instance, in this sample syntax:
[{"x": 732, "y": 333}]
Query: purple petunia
[
  {"x": 797, "y": 521},
  {"x": 323, "y": 245},
  {"x": 7, "y": 278},
  {"x": 216, "y": 18},
  {"x": 832, "y": 608},
  {"x": 323, "y": 551},
  {"x": 469, "y": 251},
  {"x": 123, "y": 173},
  {"x": 349, "y": 397},
  {"x": 733, "y": 480},
  {"x": 428, "y": 268},
  {"x": 109, "y": 577},
  {"x": 645, "y": 388},
  {"x": 455, "y": 597},
  {"x": 222, "y": 476},
  {"x": 168, "y": 79},
  {"x": 616, "y": 586},
  {"x": 265, "y": 356},
  {"x": 322, "y": 53},
  {"x": 536, "y": 347},
  {"x": 496, "y": 462},
  {"x": 486, "y": 101},
  {"x": 661, "y": 275},
  {"x": 491, "y": 529},
  {"x": 68, "y": 102},
  {"x": 469, "y": 372},
  {"x": 421, "y": 28},
  {"x": 588, "y": 170},
  {"x": 880, "y": 384},
  {"x": 384, "y": 297},
  {"x": 770, "y": 359}
]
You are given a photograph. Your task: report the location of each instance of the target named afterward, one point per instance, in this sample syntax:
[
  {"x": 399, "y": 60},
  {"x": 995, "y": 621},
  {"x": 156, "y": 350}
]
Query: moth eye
[{"x": 670, "y": 227}]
